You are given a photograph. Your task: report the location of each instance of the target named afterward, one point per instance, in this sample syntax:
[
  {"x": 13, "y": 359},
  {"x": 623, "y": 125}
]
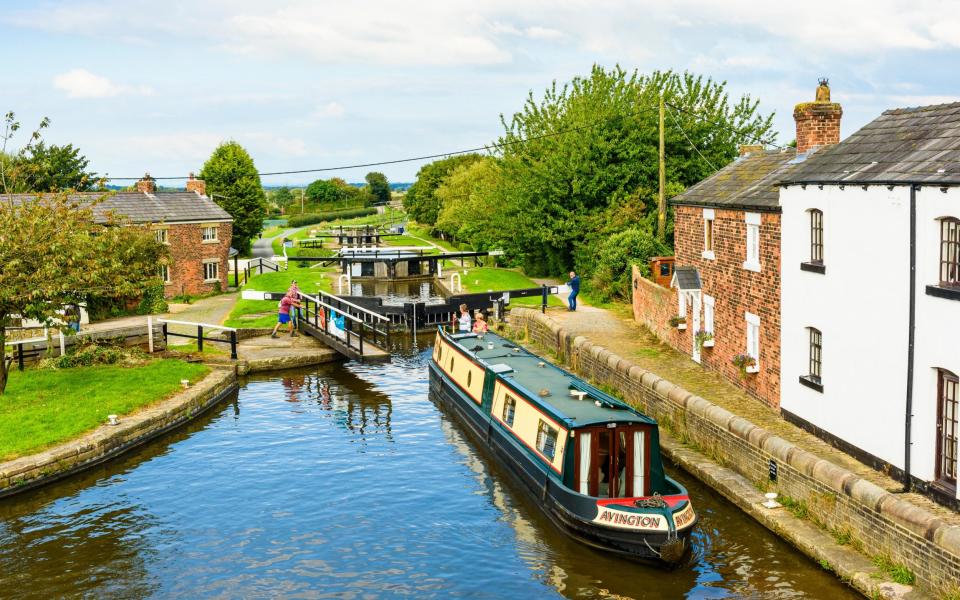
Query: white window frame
[
  {"x": 216, "y": 263},
  {"x": 164, "y": 272},
  {"x": 709, "y": 312},
  {"x": 752, "y": 262},
  {"x": 162, "y": 232},
  {"x": 753, "y": 340},
  {"x": 709, "y": 225},
  {"x": 210, "y": 240}
]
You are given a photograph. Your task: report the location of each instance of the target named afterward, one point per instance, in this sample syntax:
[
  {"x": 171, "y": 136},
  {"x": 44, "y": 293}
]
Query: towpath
[
  {"x": 615, "y": 329},
  {"x": 263, "y": 247}
]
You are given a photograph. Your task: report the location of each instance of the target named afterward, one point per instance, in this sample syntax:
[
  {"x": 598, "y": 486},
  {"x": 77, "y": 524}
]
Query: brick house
[
  {"x": 197, "y": 231},
  {"x": 727, "y": 244}
]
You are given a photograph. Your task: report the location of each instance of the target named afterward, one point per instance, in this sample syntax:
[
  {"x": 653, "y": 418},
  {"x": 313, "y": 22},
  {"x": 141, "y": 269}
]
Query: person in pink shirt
[{"x": 289, "y": 301}]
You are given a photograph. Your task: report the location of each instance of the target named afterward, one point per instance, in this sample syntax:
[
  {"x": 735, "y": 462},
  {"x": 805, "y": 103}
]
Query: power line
[
  {"x": 689, "y": 141},
  {"x": 484, "y": 148},
  {"x": 745, "y": 134}
]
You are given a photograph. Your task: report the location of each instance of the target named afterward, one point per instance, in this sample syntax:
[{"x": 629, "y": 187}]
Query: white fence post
[
  {"x": 63, "y": 344},
  {"x": 150, "y": 333}
]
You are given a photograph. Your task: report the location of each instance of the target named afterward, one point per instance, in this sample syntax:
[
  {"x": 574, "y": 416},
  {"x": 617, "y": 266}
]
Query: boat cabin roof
[{"x": 532, "y": 375}]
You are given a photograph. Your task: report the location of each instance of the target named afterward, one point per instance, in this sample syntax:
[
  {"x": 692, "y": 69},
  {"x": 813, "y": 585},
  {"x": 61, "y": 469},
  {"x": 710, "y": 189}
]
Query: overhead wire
[
  {"x": 750, "y": 136},
  {"x": 689, "y": 141}
]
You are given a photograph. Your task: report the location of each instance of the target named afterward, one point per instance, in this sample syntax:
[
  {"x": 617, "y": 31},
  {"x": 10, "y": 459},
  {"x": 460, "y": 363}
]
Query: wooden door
[{"x": 947, "y": 429}]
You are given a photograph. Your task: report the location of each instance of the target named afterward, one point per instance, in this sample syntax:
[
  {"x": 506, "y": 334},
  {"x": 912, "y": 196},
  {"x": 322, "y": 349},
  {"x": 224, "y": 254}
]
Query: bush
[
  {"x": 95, "y": 354},
  {"x": 152, "y": 302},
  {"x": 350, "y": 213},
  {"x": 614, "y": 257}
]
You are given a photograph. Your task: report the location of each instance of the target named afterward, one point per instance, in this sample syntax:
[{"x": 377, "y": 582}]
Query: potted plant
[
  {"x": 704, "y": 339},
  {"x": 678, "y": 322},
  {"x": 746, "y": 364}
]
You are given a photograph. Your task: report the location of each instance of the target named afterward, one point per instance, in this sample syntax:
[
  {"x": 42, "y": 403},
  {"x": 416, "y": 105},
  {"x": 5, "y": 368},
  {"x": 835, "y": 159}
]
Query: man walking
[{"x": 574, "y": 284}]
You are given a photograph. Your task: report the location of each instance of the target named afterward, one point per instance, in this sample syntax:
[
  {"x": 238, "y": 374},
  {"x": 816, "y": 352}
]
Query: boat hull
[{"x": 573, "y": 513}]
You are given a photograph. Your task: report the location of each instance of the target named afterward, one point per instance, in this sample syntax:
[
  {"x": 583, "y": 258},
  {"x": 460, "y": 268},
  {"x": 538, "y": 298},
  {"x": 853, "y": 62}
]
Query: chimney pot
[{"x": 147, "y": 185}]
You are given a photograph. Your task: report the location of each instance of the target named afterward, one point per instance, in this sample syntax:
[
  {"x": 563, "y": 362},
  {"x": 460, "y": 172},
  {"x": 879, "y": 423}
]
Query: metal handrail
[
  {"x": 352, "y": 305},
  {"x": 194, "y": 323}
]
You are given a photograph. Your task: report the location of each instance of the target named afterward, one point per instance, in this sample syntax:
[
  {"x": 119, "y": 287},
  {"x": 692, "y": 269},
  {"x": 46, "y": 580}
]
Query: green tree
[
  {"x": 420, "y": 200},
  {"x": 282, "y": 197},
  {"x": 233, "y": 183},
  {"x": 53, "y": 255},
  {"x": 591, "y": 145},
  {"x": 614, "y": 256},
  {"x": 378, "y": 186},
  {"x": 466, "y": 211},
  {"x": 326, "y": 191},
  {"x": 37, "y": 167}
]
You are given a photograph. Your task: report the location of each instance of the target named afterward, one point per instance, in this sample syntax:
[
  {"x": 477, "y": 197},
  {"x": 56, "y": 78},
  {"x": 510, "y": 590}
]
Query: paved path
[
  {"x": 616, "y": 330},
  {"x": 263, "y": 247},
  {"x": 212, "y": 310}
]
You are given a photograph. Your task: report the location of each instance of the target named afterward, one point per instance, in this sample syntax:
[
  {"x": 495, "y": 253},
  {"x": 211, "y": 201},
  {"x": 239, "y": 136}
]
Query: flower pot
[
  {"x": 753, "y": 369},
  {"x": 708, "y": 343},
  {"x": 681, "y": 326}
]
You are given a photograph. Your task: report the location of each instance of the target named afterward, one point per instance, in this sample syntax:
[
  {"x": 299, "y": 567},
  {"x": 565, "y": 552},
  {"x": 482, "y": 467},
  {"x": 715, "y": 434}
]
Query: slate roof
[
  {"x": 908, "y": 145},
  {"x": 138, "y": 207},
  {"x": 686, "y": 279},
  {"x": 749, "y": 182}
]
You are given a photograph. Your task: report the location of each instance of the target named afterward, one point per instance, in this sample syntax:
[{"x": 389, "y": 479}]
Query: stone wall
[
  {"x": 836, "y": 499},
  {"x": 109, "y": 441}
]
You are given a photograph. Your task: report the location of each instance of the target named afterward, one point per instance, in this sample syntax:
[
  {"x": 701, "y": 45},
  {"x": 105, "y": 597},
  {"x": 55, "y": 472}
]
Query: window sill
[
  {"x": 810, "y": 383},
  {"x": 752, "y": 266},
  {"x": 212, "y": 280},
  {"x": 709, "y": 255},
  {"x": 943, "y": 292},
  {"x": 708, "y": 343},
  {"x": 211, "y": 241},
  {"x": 813, "y": 267}
]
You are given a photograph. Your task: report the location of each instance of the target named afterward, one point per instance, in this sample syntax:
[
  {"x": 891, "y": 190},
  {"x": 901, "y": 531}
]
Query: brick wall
[
  {"x": 735, "y": 290},
  {"x": 837, "y": 499},
  {"x": 818, "y": 124},
  {"x": 187, "y": 254}
]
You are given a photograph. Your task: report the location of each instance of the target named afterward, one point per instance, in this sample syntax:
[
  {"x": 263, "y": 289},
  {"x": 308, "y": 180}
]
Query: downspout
[{"x": 908, "y": 416}]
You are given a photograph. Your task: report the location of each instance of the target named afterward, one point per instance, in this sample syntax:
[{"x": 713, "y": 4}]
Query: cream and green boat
[{"x": 591, "y": 460}]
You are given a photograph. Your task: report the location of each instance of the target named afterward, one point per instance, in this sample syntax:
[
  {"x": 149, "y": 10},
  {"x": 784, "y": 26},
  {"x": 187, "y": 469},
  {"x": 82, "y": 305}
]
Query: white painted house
[{"x": 871, "y": 295}]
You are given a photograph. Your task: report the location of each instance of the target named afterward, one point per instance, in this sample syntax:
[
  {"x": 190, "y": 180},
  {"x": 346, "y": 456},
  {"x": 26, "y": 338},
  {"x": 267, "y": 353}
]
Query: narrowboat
[{"x": 592, "y": 461}]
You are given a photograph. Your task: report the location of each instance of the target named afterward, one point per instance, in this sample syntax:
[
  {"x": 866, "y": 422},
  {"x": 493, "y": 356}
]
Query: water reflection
[
  {"x": 346, "y": 481},
  {"x": 398, "y": 292}
]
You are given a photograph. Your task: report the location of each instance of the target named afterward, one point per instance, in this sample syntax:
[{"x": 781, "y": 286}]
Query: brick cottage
[
  {"x": 197, "y": 231},
  {"x": 727, "y": 276}
]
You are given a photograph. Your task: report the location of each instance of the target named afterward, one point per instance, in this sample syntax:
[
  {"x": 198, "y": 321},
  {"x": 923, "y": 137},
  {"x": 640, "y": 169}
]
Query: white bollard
[
  {"x": 63, "y": 344},
  {"x": 150, "y": 333}
]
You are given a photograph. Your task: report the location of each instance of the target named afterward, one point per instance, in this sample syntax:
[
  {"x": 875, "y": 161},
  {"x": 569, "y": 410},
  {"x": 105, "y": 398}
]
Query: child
[
  {"x": 284, "y": 317},
  {"x": 480, "y": 325}
]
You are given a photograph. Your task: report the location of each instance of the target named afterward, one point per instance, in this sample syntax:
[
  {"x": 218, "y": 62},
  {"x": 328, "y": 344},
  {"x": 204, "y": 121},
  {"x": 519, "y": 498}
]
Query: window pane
[
  {"x": 639, "y": 463},
  {"x": 585, "y": 463}
]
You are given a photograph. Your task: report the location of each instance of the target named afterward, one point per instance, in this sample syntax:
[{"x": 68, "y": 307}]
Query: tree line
[{"x": 573, "y": 180}]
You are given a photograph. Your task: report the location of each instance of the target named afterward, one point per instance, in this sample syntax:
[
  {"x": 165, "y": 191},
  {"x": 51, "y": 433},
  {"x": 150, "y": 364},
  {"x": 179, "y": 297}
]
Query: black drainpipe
[{"x": 908, "y": 417}]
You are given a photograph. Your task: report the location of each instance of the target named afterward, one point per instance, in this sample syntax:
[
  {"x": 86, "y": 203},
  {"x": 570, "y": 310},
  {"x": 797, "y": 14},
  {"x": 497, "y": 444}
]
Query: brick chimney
[
  {"x": 196, "y": 185},
  {"x": 147, "y": 185},
  {"x": 750, "y": 149},
  {"x": 818, "y": 122}
]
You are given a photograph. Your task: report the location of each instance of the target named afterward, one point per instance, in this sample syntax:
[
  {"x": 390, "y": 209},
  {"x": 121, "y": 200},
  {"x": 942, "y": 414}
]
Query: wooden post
[
  {"x": 165, "y": 341},
  {"x": 199, "y": 338},
  {"x": 236, "y": 273},
  {"x": 233, "y": 345},
  {"x": 20, "y": 356},
  {"x": 662, "y": 196},
  {"x": 543, "y": 307}
]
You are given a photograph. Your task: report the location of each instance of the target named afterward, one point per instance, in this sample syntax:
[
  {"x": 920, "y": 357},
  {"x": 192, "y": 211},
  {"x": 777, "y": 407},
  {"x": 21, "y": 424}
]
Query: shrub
[
  {"x": 350, "y": 213},
  {"x": 95, "y": 354},
  {"x": 615, "y": 255},
  {"x": 152, "y": 302}
]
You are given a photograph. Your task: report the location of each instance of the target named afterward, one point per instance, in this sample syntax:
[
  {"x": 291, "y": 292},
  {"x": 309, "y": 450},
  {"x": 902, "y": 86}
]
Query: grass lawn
[
  {"x": 263, "y": 313},
  {"x": 45, "y": 407},
  {"x": 481, "y": 279},
  {"x": 208, "y": 347},
  {"x": 404, "y": 240},
  {"x": 421, "y": 231}
]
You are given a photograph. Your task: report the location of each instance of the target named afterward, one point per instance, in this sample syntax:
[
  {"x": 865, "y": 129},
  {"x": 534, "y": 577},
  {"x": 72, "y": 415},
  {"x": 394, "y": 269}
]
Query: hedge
[{"x": 350, "y": 213}]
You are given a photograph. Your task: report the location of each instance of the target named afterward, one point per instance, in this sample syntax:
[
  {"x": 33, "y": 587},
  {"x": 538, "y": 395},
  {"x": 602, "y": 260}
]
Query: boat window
[
  {"x": 546, "y": 440},
  {"x": 604, "y": 463},
  {"x": 616, "y": 465},
  {"x": 469, "y": 378},
  {"x": 509, "y": 409},
  {"x": 440, "y": 353},
  {"x": 584, "y": 474},
  {"x": 622, "y": 448},
  {"x": 451, "y": 364}
]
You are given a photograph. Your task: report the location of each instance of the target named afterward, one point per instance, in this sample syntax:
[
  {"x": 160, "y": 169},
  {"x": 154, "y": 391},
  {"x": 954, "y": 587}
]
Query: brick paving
[{"x": 616, "y": 330}]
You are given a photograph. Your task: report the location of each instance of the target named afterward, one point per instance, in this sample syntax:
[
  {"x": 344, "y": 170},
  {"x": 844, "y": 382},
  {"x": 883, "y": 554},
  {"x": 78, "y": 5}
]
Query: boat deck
[{"x": 538, "y": 376}]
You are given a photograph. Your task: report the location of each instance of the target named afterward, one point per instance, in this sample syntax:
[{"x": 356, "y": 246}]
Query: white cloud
[
  {"x": 543, "y": 33},
  {"x": 80, "y": 83},
  {"x": 330, "y": 110}
]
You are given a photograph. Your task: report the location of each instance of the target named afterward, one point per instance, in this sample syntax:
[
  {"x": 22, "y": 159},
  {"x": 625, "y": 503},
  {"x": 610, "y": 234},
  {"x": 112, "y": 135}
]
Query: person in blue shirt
[{"x": 574, "y": 284}]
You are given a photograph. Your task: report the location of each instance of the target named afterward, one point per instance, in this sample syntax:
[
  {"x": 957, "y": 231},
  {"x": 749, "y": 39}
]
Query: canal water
[
  {"x": 399, "y": 292},
  {"x": 348, "y": 481}
]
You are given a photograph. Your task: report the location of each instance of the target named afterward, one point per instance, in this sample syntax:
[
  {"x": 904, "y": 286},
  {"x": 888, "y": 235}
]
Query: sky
[{"x": 155, "y": 86}]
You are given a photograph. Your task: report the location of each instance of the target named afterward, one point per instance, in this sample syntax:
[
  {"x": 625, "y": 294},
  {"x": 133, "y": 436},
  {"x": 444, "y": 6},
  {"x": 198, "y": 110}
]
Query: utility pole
[
  {"x": 301, "y": 189},
  {"x": 662, "y": 197}
]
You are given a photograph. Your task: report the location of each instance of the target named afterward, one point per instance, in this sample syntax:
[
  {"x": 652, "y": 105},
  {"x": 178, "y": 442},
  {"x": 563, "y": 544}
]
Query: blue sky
[{"x": 155, "y": 86}]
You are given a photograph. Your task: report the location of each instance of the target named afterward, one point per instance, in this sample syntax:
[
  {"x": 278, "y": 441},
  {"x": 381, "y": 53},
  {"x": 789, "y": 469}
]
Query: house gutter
[{"x": 908, "y": 415}]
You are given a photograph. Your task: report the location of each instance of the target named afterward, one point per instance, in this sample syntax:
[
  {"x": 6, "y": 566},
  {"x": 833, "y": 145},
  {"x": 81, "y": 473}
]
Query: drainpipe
[{"x": 908, "y": 416}]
